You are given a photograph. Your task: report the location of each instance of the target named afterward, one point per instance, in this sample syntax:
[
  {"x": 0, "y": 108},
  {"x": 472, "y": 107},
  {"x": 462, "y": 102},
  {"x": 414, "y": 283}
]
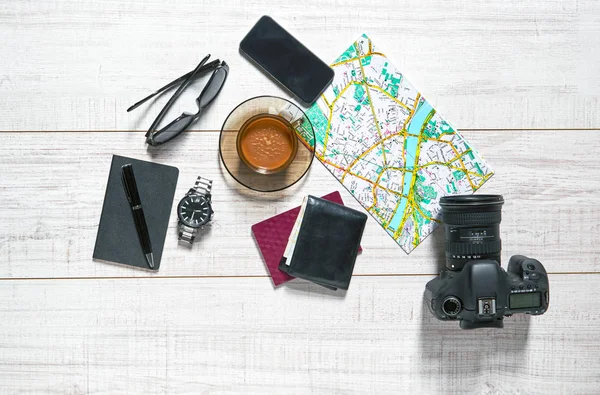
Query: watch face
[{"x": 194, "y": 211}]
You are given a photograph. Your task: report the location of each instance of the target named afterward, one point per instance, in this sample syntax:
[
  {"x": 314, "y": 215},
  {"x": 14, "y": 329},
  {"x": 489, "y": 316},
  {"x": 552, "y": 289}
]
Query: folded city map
[{"x": 379, "y": 136}]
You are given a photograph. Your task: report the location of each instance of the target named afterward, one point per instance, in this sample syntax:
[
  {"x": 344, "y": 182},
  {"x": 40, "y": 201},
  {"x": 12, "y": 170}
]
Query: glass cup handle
[{"x": 288, "y": 112}]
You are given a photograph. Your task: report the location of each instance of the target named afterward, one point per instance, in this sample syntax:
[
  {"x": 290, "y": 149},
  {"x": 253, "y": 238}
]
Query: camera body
[
  {"x": 482, "y": 293},
  {"x": 474, "y": 289}
]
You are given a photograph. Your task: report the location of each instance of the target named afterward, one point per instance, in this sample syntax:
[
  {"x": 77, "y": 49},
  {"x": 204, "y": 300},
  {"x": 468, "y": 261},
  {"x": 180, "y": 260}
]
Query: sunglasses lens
[
  {"x": 213, "y": 88},
  {"x": 173, "y": 129}
]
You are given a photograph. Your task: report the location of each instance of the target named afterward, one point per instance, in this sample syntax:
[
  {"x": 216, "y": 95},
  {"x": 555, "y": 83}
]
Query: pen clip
[{"x": 124, "y": 181}]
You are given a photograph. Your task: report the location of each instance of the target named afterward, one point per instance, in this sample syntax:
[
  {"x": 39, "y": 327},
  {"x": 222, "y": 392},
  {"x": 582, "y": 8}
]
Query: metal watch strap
[
  {"x": 203, "y": 186},
  {"x": 187, "y": 234}
]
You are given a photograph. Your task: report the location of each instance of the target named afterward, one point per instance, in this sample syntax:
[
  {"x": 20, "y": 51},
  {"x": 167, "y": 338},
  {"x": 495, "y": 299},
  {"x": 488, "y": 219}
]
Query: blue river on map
[{"x": 410, "y": 145}]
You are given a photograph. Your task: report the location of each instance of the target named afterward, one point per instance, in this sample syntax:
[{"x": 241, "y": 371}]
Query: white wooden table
[{"x": 519, "y": 78}]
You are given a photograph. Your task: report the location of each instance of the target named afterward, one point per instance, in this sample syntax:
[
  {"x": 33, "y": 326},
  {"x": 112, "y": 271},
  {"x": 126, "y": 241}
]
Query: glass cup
[{"x": 267, "y": 143}]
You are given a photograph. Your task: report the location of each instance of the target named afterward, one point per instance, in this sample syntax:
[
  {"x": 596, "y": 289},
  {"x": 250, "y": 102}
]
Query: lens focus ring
[
  {"x": 470, "y": 218},
  {"x": 473, "y": 249}
]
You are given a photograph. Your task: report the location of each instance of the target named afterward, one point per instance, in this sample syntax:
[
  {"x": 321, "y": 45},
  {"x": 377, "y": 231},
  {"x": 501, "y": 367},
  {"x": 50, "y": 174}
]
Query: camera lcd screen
[{"x": 525, "y": 300}]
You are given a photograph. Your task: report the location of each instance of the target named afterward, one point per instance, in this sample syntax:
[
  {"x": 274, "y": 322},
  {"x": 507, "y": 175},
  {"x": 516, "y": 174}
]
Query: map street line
[
  {"x": 357, "y": 58},
  {"x": 375, "y": 121},
  {"x": 399, "y": 168}
]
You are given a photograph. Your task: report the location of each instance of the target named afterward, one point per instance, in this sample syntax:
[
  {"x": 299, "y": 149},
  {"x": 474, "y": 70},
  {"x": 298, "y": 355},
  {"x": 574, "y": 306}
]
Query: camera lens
[
  {"x": 472, "y": 225},
  {"x": 451, "y": 306}
]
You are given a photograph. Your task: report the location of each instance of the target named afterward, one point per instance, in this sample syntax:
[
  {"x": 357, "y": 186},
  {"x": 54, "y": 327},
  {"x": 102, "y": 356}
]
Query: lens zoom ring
[
  {"x": 454, "y": 248},
  {"x": 476, "y": 218}
]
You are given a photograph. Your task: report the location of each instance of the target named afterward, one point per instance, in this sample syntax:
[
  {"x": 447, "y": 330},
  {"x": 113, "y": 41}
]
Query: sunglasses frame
[{"x": 181, "y": 123}]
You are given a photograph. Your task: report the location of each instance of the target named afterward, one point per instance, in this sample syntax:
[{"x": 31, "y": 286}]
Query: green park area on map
[{"x": 389, "y": 147}]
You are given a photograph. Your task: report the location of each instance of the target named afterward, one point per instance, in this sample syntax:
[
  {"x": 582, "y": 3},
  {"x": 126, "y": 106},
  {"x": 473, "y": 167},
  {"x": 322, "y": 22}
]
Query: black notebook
[
  {"x": 117, "y": 240},
  {"x": 324, "y": 242}
]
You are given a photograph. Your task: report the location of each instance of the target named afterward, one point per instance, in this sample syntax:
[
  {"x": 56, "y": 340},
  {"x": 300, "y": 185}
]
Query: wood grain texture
[
  {"x": 78, "y": 64},
  {"x": 51, "y": 194},
  {"x": 217, "y": 336},
  {"x": 72, "y": 325}
]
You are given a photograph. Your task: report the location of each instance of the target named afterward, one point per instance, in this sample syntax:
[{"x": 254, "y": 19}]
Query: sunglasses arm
[
  {"x": 207, "y": 67},
  {"x": 181, "y": 88}
]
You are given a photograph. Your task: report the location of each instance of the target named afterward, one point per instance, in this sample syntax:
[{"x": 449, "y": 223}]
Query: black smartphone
[{"x": 285, "y": 59}]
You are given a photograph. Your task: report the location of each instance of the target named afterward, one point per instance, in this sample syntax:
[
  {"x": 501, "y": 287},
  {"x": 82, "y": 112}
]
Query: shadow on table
[
  {"x": 451, "y": 354},
  {"x": 302, "y": 286},
  {"x": 166, "y": 151}
]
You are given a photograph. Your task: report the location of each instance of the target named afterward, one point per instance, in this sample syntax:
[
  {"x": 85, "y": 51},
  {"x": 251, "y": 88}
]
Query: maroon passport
[{"x": 272, "y": 235}]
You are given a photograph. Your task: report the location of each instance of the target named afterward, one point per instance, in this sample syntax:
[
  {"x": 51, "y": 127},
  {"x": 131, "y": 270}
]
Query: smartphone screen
[{"x": 288, "y": 61}]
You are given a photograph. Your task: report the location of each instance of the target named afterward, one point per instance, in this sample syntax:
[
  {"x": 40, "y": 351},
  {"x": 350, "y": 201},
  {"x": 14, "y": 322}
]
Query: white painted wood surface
[
  {"x": 549, "y": 212},
  {"x": 237, "y": 335},
  {"x": 210, "y": 321},
  {"x": 78, "y": 64}
]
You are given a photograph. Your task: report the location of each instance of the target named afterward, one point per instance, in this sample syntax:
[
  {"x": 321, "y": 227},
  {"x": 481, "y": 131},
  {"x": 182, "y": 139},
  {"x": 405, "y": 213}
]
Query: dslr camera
[{"x": 474, "y": 289}]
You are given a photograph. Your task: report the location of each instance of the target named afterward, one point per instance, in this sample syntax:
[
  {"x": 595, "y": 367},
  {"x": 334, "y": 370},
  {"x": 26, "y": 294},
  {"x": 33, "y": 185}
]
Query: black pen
[{"x": 133, "y": 197}]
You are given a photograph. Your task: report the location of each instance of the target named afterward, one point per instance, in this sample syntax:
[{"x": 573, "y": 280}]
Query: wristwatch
[{"x": 194, "y": 210}]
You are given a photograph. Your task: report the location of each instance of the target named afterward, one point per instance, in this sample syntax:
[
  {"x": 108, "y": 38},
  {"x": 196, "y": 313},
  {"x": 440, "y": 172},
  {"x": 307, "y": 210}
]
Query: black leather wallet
[{"x": 326, "y": 245}]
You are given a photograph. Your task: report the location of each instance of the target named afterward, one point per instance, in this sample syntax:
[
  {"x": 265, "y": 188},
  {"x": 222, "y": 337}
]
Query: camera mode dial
[{"x": 451, "y": 306}]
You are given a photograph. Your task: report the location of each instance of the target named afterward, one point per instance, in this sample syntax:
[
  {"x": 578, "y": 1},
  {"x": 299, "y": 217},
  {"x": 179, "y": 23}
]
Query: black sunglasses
[{"x": 209, "y": 93}]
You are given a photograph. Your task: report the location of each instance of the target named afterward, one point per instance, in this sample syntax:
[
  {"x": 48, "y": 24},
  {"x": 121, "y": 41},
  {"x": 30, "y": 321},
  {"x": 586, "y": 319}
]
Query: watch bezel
[{"x": 200, "y": 224}]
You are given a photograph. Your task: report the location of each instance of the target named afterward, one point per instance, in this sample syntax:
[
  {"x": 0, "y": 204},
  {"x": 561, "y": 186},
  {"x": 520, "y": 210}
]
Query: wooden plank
[
  {"x": 78, "y": 64},
  {"x": 239, "y": 336},
  {"x": 52, "y": 186}
]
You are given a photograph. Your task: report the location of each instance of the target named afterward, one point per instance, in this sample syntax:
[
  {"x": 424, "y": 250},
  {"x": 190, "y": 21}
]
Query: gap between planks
[
  {"x": 235, "y": 276},
  {"x": 256, "y": 276},
  {"x": 218, "y": 131}
]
